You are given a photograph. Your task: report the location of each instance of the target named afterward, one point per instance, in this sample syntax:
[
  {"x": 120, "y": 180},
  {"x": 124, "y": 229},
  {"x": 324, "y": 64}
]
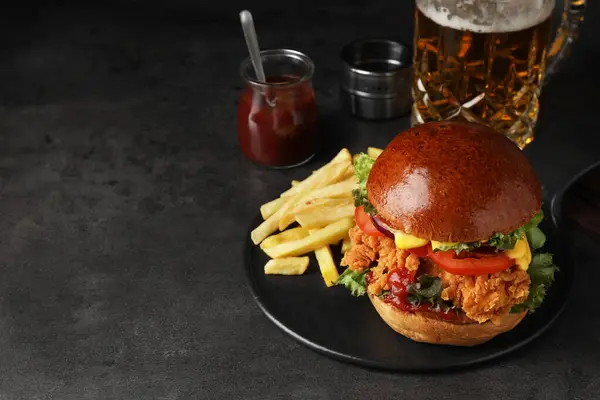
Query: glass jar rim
[{"x": 287, "y": 53}]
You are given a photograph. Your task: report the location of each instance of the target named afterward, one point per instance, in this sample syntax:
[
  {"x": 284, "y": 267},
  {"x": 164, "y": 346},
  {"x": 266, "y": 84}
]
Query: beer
[{"x": 487, "y": 69}]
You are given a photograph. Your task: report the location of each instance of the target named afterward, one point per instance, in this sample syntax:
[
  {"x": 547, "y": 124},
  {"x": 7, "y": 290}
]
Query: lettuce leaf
[
  {"x": 536, "y": 238},
  {"x": 362, "y": 168},
  {"x": 354, "y": 281},
  {"x": 458, "y": 247},
  {"x": 541, "y": 271},
  {"x": 500, "y": 241},
  {"x": 508, "y": 241}
]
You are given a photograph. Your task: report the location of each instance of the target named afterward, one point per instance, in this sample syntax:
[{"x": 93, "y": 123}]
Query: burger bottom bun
[{"x": 421, "y": 328}]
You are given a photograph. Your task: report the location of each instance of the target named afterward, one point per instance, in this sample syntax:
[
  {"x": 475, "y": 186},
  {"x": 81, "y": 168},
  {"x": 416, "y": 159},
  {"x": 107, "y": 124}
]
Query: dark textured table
[{"x": 125, "y": 204}]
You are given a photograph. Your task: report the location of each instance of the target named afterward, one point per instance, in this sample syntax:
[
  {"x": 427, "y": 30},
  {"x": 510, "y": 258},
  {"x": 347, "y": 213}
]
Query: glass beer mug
[{"x": 484, "y": 61}]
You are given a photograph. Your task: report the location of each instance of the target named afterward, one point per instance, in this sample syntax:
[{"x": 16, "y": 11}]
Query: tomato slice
[
  {"x": 419, "y": 251},
  {"x": 364, "y": 222},
  {"x": 475, "y": 264}
]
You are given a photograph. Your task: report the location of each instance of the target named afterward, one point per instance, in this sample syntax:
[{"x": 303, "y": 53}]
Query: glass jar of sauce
[{"x": 277, "y": 119}]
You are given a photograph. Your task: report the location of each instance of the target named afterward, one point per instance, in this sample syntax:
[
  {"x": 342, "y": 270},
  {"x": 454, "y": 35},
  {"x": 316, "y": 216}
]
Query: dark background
[{"x": 125, "y": 203}]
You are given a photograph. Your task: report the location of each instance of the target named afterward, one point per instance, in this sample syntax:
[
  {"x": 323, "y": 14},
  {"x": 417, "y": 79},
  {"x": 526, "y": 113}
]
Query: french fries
[
  {"x": 322, "y": 205},
  {"x": 327, "y": 266},
  {"x": 285, "y": 236},
  {"x": 343, "y": 155},
  {"x": 266, "y": 228},
  {"x": 323, "y": 177},
  {"x": 374, "y": 152},
  {"x": 340, "y": 189},
  {"x": 277, "y": 213},
  {"x": 287, "y": 266},
  {"x": 324, "y": 216},
  {"x": 330, "y": 234},
  {"x": 315, "y": 204},
  {"x": 346, "y": 244},
  {"x": 270, "y": 208}
]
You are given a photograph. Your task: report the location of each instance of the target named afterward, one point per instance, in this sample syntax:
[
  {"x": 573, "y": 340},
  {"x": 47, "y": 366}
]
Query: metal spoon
[{"x": 252, "y": 43}]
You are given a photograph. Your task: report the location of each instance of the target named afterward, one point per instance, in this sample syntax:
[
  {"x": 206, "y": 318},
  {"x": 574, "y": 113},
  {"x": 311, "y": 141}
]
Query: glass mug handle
[{"x": 568, "y": 31}]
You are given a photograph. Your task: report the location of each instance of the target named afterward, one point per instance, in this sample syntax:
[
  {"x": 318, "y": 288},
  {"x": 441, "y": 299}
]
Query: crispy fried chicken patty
[{"x": 482, "y": 298}]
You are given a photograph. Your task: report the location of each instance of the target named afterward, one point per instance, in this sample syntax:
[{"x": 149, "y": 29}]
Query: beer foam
[{"x": 504, "y": 18}]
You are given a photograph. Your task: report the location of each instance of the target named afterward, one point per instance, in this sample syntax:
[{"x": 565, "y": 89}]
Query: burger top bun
[{"x": 453, "y": 182}]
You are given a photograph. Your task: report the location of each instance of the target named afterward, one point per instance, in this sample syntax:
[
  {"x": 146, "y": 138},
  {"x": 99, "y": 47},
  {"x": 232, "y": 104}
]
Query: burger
[{"x": 446, "y": 242}]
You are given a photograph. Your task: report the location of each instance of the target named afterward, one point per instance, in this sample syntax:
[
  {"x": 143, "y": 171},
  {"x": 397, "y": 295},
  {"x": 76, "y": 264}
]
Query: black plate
[
  {"x": 577, "y": 206},
  {"x": 339, "y": 325}
]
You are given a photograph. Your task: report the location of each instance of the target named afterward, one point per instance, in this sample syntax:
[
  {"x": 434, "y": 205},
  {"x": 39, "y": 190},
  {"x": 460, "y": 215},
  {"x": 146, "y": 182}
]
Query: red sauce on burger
[{"x": 398, "y": 281}]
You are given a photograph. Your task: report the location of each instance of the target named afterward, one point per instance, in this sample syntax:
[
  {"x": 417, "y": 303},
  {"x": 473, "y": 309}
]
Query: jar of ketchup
[{"x": 277, "y": 119}]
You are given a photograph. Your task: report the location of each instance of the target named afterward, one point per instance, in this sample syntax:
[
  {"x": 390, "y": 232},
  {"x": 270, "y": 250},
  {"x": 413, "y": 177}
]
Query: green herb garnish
[{"x": 428, "y": 289}]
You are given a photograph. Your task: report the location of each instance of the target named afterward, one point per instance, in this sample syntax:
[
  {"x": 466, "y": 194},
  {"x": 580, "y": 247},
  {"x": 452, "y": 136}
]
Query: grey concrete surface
[{"x": 125, "y": 202}]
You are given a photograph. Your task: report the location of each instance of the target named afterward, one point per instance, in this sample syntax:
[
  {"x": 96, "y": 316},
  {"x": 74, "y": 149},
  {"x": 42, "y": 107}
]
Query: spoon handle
[{"x": 252, "y": 43}]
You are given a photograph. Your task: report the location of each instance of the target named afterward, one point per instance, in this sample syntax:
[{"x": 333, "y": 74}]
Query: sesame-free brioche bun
[
  {"x": 453, "y": 182},
  {"x": 422, "y": 328}
]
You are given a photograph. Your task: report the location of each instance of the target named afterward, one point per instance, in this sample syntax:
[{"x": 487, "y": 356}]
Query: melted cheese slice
[
  {"x": 405, "y": 241},
  {"x": 521, "y": 254}
]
